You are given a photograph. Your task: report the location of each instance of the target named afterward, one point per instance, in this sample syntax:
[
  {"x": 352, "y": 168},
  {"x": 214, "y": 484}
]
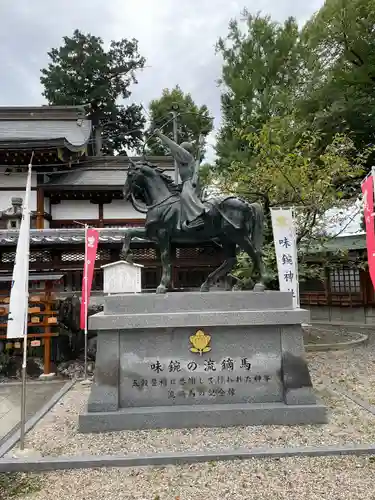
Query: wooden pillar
[
  {"x": 47, "y": 355},
  {"x": 101, "y": 219},
  {"x": 327, "y": 286},
  {"x": 40, "y": 208},
  {"x": 47, "y": 329}
]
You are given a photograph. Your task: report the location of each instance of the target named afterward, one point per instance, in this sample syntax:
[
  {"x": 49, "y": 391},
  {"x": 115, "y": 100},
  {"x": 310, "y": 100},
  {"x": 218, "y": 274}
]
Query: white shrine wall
[
  {"x": 120, "y": 209},
  {"x": 15, "y": 185},
  {"x": 83, "y": 209},
  {"x": 47, "y": 205},
  {"x": 74, "y": 209},
  {"x": 6, "y": 197},
  {"x": 47, "y": 209},
  {"x": 15, "y": 179}
]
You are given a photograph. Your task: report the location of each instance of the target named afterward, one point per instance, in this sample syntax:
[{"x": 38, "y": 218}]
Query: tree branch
[
  {"x": 307, "y": 227},
  {"x": 255, "y": 193},
  {"x": 358, "y": 60}
]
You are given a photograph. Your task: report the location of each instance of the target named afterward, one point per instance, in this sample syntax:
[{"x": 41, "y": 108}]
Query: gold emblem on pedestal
[{"x": 200, "y": 342}]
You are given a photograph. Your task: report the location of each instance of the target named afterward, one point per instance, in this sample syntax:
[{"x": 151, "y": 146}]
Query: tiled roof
[
  {"x": 91, "y": 177},
  {"x": 104, "y": 172},
  {"x": 63, "y": 125},
  {"x": 44, "y": 112},
  {"x": 62, "y": 236},
  {"x": 165, "y": 162},
  {"x": 33, "y": 276},
  {"x": 71, "y": 134},
  {"x": 116, "y": 235}
]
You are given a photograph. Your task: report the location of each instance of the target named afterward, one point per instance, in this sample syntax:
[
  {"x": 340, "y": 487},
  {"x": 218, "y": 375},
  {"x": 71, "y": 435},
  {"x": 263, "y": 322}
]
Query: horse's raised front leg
[
  {"x": 139, "y": 232},
  {"x": 165, "y": 256},
  {"x": 223, "y": 269}
]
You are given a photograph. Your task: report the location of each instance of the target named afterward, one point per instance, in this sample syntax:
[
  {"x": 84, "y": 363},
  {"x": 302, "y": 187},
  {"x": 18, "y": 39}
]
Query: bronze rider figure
[{"x": 192, "y": 208}]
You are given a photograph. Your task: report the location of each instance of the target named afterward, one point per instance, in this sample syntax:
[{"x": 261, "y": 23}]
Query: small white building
[{"x": 121, "y": 277}]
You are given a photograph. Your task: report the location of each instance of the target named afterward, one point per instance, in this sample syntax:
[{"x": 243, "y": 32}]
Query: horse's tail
[{"x": 257, "y": 226}]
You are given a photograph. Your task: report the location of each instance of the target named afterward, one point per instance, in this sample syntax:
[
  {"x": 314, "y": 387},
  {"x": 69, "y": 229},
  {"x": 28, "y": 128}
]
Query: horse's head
[
  {"x": 134, "y": 184},
  {"x": 145, "y": 184}
]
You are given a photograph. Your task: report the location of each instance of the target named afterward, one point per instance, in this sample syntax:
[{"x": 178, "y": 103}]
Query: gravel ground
[
  {"x": 353, "y": 369},
  {"x": 57, "y": 433},
  {"x": 310, "y": 478},
  {"x": 322, "y": 335}
]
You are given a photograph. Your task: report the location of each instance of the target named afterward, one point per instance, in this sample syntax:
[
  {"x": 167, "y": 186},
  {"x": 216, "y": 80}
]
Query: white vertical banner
[
  {"x": 284, "y": 237},
  {"x": 19, "y": 300}
]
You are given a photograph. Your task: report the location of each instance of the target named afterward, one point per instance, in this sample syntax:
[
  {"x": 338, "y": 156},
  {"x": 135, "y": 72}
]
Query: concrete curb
[
  {"x": 161, "y": 459},
  {"x": 346, "y": 324},
  {"x": 31, "y": 382},
  {"x": 337, "y": 389},
  {"x": 334, "y": 389},
  {"x": 15, "y": 436},
  {"x": 360, "y": 402},
  {"x": 337, "y": 346}
]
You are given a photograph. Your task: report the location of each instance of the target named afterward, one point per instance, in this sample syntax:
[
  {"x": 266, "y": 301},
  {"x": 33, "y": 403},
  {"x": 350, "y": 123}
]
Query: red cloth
[
  {"x": 368, "y": 201},
  {"x": 91, "y": 246}
]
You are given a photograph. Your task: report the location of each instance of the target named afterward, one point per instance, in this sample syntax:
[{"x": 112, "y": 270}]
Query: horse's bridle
[{"x": 149, "y": 207}]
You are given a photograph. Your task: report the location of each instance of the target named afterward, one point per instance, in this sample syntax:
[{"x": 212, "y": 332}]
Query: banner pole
[
  {"x": 24, "y": 374},
  {"x": 86, "y": 304},
  {"x": 26, "y": 216},
  {"x": 296, "y": 257}
]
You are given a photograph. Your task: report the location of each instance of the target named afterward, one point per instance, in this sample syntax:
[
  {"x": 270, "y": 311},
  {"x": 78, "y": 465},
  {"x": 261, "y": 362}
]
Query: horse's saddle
[
  {"x": 195, "y": 224},
  {"x": 200, "y": 221}
]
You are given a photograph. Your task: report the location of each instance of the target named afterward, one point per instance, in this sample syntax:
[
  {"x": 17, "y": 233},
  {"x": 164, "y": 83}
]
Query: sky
[
  {"x": 177, "y": 38},
  {"x": 345, "y": 221}
]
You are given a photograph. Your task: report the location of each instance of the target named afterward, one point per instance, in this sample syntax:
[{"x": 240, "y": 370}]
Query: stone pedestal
[{"x": 200, "y": 360}]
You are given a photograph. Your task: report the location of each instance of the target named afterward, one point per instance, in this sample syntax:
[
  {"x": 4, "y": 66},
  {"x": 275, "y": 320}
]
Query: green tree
[
  {"x": 192, "y": 120},
  {"x": 266, "y": 70},
  {"x": 341, "y": 36},
  {"x": 286, "y": 171},
  {"x": 81, "y": 72},
  {"x": 297, "y": 120}
]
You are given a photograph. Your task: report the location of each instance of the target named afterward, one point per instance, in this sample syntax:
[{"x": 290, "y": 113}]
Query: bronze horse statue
[{"x": 229, "y": 221}]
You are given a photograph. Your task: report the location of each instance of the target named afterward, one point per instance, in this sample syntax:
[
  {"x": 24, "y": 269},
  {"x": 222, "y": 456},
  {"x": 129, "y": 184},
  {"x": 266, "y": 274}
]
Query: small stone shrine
[
  {"x": 121, "y": 277},
  {"x": 192, "y": 359}
]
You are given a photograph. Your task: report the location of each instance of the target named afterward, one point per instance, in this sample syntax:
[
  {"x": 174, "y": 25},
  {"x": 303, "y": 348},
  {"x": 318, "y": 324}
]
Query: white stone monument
[{"x": 122, "y": 277}]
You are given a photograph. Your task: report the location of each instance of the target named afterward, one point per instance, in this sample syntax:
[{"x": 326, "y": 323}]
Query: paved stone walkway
[{"x": 38, "y": 394}]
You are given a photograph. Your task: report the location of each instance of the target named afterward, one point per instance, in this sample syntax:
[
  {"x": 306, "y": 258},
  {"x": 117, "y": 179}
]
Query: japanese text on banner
[
  {"x": 92, "y": 239},
  {"x": 284, "y": 236}
]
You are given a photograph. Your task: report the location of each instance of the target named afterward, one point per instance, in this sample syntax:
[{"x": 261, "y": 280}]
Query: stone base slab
[
  {"x": 186, "y": 302},
  {"x": 188, "y": 309},
  {"x": 183, "y": 417}
]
